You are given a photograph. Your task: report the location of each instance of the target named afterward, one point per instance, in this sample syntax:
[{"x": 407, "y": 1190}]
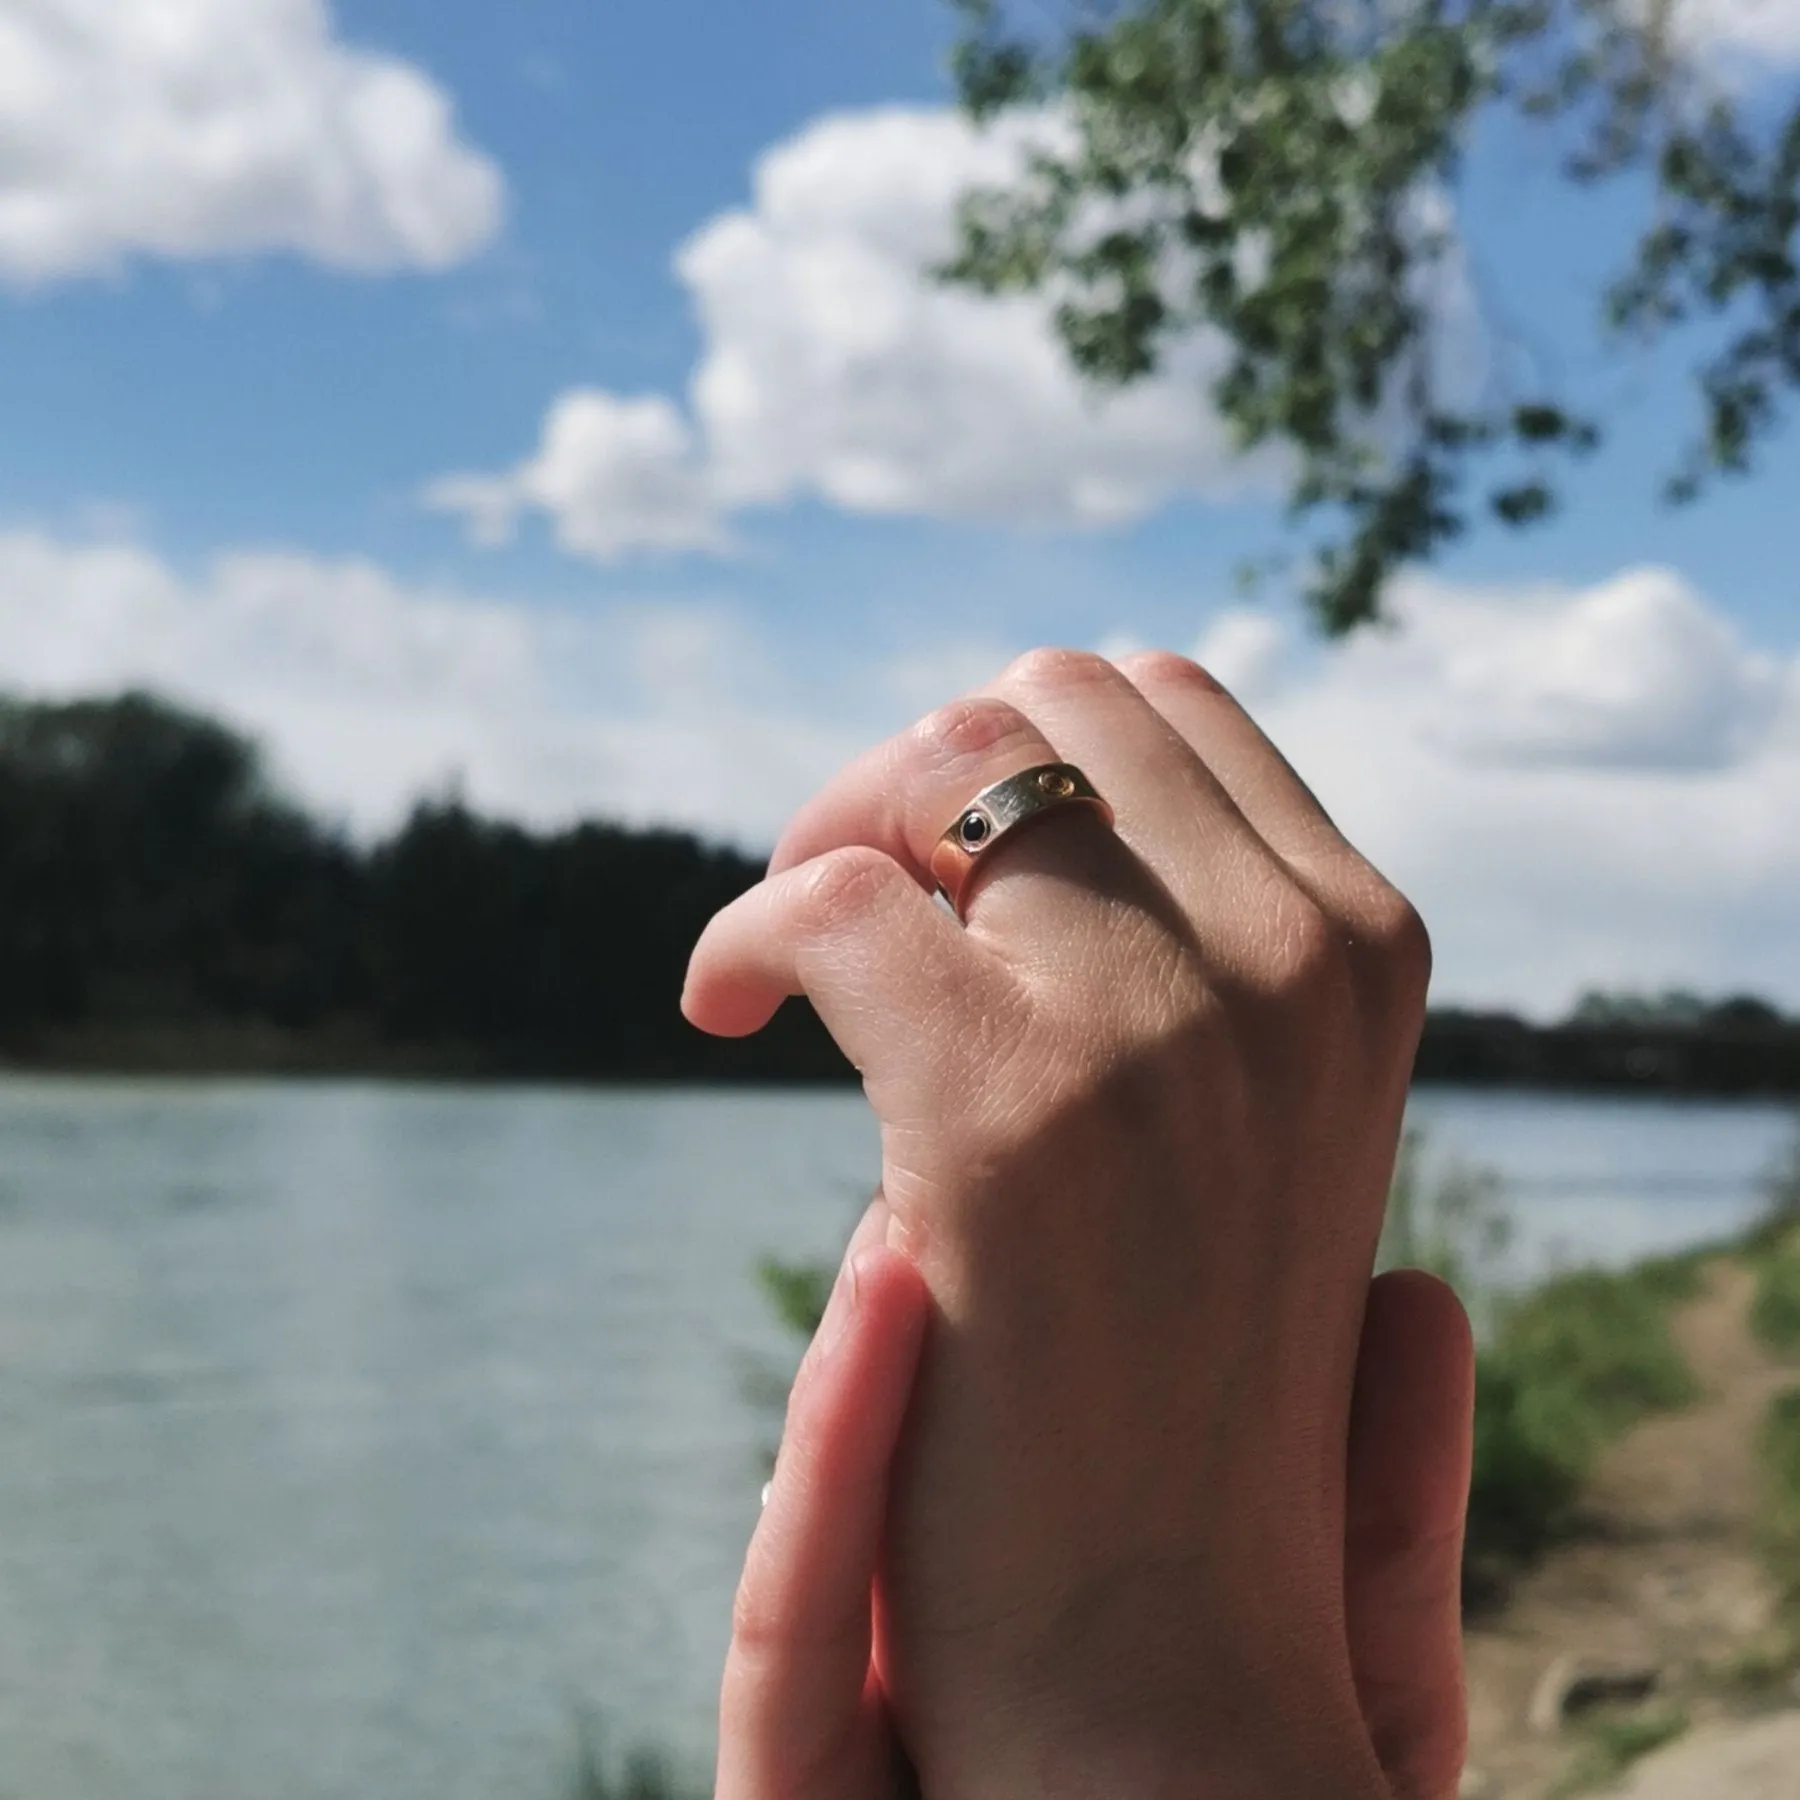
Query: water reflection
[{"x": 354, "y": 1440}]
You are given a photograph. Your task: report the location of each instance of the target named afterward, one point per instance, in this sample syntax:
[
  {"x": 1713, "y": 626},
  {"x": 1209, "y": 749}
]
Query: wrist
[
  {"x": 1233, "y": 1762},
  {"x": 1211, "y": 1749}
]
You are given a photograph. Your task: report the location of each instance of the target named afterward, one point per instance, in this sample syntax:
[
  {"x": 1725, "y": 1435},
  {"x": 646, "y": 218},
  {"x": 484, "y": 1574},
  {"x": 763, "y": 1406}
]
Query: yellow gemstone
[{"x": 1056, "y": 784}]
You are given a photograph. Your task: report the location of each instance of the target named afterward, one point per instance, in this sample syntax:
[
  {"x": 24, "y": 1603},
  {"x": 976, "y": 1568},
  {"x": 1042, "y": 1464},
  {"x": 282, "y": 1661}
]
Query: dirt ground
[{"x": 1665, "y": 1592}]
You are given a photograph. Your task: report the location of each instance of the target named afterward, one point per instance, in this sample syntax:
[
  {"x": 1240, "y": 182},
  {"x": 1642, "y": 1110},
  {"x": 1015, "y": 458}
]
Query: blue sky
[{"x": 279, "y": 368}]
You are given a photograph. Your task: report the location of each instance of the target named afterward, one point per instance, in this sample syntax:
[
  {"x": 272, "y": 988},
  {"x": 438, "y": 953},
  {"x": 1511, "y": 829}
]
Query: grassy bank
[
  {"x": 1775, "y": 1318},
  {"x": 1568, "y": 1369}
]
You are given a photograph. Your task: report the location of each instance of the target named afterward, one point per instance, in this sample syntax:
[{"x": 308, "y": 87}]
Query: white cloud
[
  {"x": 1637, "y": 672},
  {"x": 369, "y": 692},
  {"x": 1598, "y": 786},
  {"x": 834, "y": 366},
  {"x": 205, "y": 128},
  {"x": 615, "y": 476},
  {"x": 1567, "y": 806}
]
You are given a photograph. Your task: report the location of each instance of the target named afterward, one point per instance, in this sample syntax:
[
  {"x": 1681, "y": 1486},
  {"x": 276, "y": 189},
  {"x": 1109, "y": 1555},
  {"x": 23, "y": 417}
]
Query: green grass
[
  {"x": 644, "y": 1774},
  {"x": 1779, "y": 1451},
  {"x": 1562, "y": 1370},
  {"x": 644, "y": 1777},
  {"x": 1613, "y": 1745},
  {"x": 1570, "y": 1367},
  {"x": 1594, "y": 1354},
  {"x": 1775, "y": 1312}
]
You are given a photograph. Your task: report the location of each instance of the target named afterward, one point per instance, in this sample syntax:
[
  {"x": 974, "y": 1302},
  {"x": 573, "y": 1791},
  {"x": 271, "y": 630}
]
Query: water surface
[{"x": 355, "y": 1439}]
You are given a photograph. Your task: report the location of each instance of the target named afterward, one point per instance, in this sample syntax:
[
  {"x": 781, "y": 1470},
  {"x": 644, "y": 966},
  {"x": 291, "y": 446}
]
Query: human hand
[
  {"x": 1138, "y": 1121},
  {"x": 802, "y": 1715}
]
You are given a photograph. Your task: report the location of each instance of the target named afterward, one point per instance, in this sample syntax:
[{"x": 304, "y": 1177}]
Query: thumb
[
  {"x": 1411, "y": 1430},
  {"x": 801, "y": 1715}
]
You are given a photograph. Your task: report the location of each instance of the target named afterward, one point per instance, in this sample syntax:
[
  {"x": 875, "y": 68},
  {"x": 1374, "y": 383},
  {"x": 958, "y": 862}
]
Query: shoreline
[{"x": 1553, "y": 1060}]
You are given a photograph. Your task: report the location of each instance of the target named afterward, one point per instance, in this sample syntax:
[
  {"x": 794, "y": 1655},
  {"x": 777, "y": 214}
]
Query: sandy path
[{"x": 1668, "y": 1580}]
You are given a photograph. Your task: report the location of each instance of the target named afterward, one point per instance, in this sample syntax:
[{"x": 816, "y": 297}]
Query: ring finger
[{"x": 902, "y": 796}]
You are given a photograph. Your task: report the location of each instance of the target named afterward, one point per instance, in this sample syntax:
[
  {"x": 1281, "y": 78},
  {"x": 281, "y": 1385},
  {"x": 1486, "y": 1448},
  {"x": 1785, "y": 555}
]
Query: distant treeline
[
  {"x": 162, "y": 907},
  {"x": 1740, "y": 1046}
]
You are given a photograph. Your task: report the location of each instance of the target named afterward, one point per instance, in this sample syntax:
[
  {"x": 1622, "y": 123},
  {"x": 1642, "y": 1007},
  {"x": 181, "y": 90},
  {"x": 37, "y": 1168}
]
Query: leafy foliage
[
  {"x": 1572, "y": 1365},
  {"x": 1775, "y": 1312},
  {"x": 796, "y": 1292},
  {"x": 152, "y": 885},
  {"x": 1780, "y": 1448},
  {"x": 1276, "y": 172}
]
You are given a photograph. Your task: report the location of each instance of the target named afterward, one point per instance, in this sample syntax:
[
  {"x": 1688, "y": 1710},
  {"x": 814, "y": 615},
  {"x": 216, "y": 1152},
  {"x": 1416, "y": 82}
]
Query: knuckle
[
  {"x": 1305, "y": 955},
  {"x": 1400, "y": 941},
  {"x": 1048, "y": 668},
  {"x": 969, "y": 730},
  {"x": 1170, "y": 671},
  {"x": 845, "y": 884}
]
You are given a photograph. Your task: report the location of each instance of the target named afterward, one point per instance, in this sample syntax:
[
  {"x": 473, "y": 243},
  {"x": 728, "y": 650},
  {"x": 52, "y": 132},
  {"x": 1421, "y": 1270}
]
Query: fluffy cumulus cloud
[
  {"x": 1598, "y": 786},
  {"x": 1577, "y": 786},
  {"x": 1637, "y": 672},
  {"x": 368, "y": 693},
  {"x": 834, "y": 366},
  {"x": 203, "y": 128},
  {"x": 614, "y": 475}
]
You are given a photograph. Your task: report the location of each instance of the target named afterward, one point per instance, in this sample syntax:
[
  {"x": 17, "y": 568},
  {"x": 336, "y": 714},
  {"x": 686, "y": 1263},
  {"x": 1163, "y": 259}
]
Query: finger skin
[
  {"x": 1263, "y": 785},
  {"x": 1380, "y": 926},
  {"x": 1171, "y": 807},
  {"x": 1408, "y": 1482},
  {"x": 882, "y": 963},
  {"x": 800, "y": 1714},
  {"x": 1260, "y": 780},
  {"x": 902, "y": 795}
]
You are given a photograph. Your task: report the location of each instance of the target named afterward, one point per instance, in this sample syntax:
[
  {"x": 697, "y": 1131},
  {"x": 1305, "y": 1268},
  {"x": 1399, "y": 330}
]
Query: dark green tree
[
  {"x": 1275, "y": 171},
  {"x": 154, "y": 888},
  {"x": 148, "y": 873}
]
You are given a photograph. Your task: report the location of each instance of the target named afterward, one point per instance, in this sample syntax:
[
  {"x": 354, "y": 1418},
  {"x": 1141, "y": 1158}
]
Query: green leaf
[{"x": 1269, "y": 172}]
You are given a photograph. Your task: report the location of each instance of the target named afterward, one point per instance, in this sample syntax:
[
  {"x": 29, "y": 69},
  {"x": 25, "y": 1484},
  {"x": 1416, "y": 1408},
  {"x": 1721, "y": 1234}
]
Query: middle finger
[{"x": 1172, "y": 810}]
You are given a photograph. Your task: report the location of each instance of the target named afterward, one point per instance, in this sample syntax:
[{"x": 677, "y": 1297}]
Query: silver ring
[{"x": 997, "y": 812}]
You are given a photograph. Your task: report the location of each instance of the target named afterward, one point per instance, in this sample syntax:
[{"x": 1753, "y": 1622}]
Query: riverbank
[
  {"x": 1708, "y": 1059},
  {"x": 1668, "y": 1608}
]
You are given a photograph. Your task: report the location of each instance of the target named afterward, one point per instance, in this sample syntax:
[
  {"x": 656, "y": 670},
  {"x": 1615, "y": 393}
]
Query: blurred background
[{"x": 467, "y": 473}]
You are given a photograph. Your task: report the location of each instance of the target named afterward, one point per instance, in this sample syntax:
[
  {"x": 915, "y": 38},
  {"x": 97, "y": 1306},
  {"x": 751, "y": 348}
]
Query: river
[{"x": 358, "y": 1440}]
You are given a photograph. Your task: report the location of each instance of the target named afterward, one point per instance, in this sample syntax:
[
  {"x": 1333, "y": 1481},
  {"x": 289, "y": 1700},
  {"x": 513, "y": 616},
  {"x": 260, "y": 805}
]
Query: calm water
[{"x": 355, "y": 1440}]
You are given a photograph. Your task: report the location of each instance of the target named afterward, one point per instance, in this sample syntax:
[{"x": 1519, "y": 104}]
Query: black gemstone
[{"x": 973, "y": 830}]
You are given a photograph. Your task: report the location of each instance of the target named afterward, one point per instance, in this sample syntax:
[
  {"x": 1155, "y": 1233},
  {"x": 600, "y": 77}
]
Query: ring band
[{"x": 998, "y": 811}]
